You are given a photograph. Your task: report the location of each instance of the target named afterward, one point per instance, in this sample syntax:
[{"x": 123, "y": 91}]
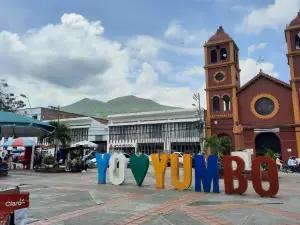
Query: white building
[
  {"x": 149, "y": 132},
  {"x": 87, "y": 129}
]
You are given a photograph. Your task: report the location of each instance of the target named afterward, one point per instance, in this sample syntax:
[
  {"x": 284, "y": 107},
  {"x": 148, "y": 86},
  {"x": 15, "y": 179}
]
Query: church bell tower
[
  {"x": 222, "y": 82},
  {"x": 292, "y": 36}
]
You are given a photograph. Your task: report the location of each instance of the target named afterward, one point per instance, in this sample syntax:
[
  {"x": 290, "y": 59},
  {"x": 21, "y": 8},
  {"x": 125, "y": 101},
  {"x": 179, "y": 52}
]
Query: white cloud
[
  {"x": 163, "y": 67},
  {"x": 253, "y": 48},
  {"x": 147, "y": 76},
  {"x": 274, "y": 16},
  {"x": 176, "y": 31},
  {"x": 65, "y": 62},
  {"x": 250, "y": 69},
  {"x": 196, "y": 70}
]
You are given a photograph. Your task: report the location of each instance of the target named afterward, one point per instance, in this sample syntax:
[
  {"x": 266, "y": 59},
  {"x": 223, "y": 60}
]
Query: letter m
[{"x": 206, "y": 175}]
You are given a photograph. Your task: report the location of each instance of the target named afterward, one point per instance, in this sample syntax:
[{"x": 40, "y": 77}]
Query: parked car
[{"x": 180, "y": 158}]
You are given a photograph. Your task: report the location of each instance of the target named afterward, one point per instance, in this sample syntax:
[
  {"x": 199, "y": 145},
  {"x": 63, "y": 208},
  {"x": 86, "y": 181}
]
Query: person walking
[{"x": 10, "y": 161}]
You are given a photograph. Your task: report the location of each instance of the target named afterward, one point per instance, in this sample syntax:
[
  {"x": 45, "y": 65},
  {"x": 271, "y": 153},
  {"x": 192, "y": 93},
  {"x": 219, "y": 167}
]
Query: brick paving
[{"x": 71, "y": 199}]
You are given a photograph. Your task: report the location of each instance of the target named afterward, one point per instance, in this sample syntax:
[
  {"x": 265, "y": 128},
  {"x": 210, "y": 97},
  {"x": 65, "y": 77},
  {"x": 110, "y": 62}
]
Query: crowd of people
[{"x": 292, "y": 164}]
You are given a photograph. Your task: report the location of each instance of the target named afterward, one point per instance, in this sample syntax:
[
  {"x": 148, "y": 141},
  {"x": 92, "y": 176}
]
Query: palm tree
[
  {"x": 218, "y": 146},
  {"x": 61, "y": 135}
]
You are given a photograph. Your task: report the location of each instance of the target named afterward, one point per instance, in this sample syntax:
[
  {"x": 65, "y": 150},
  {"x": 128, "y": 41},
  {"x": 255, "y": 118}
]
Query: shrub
[{"x": 49, "y": 160}]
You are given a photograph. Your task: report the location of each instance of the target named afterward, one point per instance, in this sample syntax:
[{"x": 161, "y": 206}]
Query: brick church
[{"x": 263, "y": 113}]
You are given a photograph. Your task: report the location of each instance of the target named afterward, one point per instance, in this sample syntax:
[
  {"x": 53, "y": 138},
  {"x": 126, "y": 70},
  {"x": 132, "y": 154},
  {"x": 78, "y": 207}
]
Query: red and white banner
[{"x": 14, "y": 203}]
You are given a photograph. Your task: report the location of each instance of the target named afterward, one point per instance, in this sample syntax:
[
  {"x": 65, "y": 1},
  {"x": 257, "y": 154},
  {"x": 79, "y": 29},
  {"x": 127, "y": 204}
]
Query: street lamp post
[
  {"x": 24, "y": 96},
  {"x": 197, "y": 99}
]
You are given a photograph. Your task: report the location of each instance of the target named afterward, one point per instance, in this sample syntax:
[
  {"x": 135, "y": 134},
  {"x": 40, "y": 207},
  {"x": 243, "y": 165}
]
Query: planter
[{"x": 50, "y": 170}]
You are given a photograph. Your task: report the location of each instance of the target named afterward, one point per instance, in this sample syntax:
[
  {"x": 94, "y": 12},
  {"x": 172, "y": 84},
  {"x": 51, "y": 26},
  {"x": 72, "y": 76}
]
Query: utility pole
[{"x": 199, "y": 111}]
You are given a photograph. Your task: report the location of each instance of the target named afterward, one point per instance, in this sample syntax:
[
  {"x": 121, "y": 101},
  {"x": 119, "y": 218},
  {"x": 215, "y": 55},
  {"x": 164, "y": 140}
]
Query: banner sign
[
  {"x": 13, "y": 203},
  {"x": 206, "y": 175}
]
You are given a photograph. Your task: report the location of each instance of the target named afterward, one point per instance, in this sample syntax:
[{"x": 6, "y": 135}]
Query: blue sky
[{"x": 259, "y": 24}]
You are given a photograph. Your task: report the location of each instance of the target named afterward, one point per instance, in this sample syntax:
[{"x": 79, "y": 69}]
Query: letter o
[{"x": 117, "y": 175}]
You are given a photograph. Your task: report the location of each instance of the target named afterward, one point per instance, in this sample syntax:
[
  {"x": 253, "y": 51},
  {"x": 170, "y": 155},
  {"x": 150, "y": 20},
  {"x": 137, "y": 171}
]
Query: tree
[
  {"x": 218, "y": 145},
  {"x": 61, "y": 135},
  {"x": 8, "y": 101}
]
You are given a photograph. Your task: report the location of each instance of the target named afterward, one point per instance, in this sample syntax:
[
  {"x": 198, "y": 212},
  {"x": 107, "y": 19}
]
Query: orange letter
[
  {"x": 272, "y": 176},
  {"x": 230, "y": 174},
  {"x": 187, "y": 172},
  {"x": 159, "y": 166}
]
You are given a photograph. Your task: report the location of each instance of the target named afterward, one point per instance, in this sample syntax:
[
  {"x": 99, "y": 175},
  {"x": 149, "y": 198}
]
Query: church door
[{"x": 265, "y": 141}]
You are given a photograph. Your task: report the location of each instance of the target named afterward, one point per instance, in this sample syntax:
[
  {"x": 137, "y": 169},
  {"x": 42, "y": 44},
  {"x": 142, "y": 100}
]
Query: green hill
[{"x": 126, "y": 104}]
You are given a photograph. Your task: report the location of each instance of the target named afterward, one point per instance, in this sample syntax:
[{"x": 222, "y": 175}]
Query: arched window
[
  {"x": 223, "y": 53},
  {"x": 216, "y": 104},
  {"x": 297, "y": 41},
  {"x": 213, "y": 56},
  {"x": 226, "y": 103}
]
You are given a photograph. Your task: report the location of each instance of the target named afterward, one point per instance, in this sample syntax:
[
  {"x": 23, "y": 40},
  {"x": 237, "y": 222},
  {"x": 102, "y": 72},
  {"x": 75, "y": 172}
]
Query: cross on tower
[{"x": 259, "y": 63}]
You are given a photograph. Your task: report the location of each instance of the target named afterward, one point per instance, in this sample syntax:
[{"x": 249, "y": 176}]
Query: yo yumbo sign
[{"x": 206, "y": 175}]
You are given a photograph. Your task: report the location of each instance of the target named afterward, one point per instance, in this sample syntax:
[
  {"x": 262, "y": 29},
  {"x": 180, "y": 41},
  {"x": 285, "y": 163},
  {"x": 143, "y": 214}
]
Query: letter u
[{"x": 187, "y": 172}]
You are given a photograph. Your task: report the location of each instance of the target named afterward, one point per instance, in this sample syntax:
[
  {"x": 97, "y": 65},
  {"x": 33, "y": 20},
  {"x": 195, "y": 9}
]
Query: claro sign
[
  {"x": 206, "y": 176},
  {"x": 10, "y": 202}
]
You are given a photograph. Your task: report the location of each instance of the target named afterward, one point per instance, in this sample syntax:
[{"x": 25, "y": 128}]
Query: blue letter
[
  {"x": 206, "y": 175},
  {"x": 102, "y": 164}
]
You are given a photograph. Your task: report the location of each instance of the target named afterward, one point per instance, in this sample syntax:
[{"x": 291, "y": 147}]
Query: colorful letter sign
[
  {"x": 272, "y": 176},
  {"x": 187, "y": 172},
  {"x": 139, "y": 165},
  {"x": 230, "y": 175},
  {"x": 117, "y": 175},
  {"x": 206, "y": 175},
  {"x": 102, "y": 163},
  {"x": 160, "y": 166}
]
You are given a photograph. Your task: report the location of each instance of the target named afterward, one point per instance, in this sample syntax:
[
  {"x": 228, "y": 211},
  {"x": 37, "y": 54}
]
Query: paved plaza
[{"x": 77, "y": 199}]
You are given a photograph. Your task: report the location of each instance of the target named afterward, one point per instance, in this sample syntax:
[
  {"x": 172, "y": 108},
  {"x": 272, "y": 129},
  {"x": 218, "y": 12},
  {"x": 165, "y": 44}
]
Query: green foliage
[
  {"x": 49, "y": 160},
  {"x": 61, "y": 135},
  {"x": 218, "y": 145},
  {"x": 269, "y": 153},
  {"x": 125, "y": 104},
  {"x": 8, "y": 101}
]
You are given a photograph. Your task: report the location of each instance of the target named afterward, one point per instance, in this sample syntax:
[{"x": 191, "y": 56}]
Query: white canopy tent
[{"x": 86, "y": 144}]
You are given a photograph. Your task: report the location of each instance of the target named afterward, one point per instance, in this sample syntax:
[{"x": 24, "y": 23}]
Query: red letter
[
  {"x": 272, "y": 176},
  {"x": 230, "y": 174}
]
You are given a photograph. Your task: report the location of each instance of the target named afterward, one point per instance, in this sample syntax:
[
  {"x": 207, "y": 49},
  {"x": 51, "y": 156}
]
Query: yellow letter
[
  {"x": 187, "y": 172},
  {"x": 160, "y": 168}
]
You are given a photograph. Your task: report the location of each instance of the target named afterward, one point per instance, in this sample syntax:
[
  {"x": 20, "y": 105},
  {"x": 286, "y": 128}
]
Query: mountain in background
[{"x": 126, "y": 104}]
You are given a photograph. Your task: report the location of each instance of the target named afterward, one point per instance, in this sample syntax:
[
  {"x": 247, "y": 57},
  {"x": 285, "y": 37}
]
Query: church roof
[
  {"x": 219, "y": 35},
  {"x": 296, "y": 21},
  {"x": 266, "y": 76}
]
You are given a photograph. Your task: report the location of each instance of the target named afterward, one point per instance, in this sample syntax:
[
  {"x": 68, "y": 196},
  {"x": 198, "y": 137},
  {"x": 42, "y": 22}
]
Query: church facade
[{"x": 263, "y": 113}]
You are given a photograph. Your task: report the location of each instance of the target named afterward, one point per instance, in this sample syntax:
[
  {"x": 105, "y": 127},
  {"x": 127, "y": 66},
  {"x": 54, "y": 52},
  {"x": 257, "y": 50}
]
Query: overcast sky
[{"x": 58, "y": 52}]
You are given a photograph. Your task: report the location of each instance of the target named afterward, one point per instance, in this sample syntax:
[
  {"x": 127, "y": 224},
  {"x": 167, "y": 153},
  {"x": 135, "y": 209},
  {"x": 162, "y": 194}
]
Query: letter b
[{"x": 230, "y": 174}]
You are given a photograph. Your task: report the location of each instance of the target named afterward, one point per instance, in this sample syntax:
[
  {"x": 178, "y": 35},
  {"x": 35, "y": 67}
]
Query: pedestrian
[
  {"x": 10, "y": 161},
  {"x": 292, "y": 164}
]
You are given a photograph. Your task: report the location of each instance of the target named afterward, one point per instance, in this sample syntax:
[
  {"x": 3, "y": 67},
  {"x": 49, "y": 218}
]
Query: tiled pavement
[{"x": 77, "y": 199}]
